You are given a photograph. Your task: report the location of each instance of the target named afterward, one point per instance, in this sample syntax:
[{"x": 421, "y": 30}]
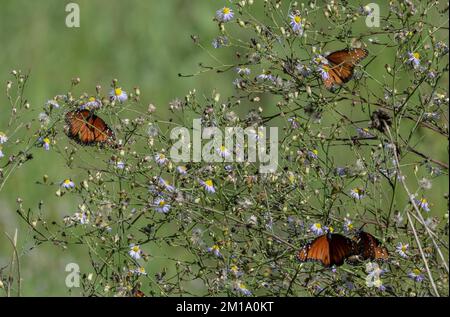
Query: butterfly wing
[
  {"x": 342, "y": 64},
  {"x": 341, "y": 248},
  {"x": 86, "y": 128},
  {"x": 370, "y": 247},
  {"x": 316, "y": 250}
]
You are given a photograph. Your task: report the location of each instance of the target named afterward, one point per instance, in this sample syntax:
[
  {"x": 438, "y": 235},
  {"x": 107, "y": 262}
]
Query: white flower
[
  {"x": 161, "y": 205},
  {"x": 313, "y": 154},
  {"x": 223, "y": 152},
  {"x": 225, "y": 14},
  {"x": 215, "y": 249},
  {"x": 208, "y": 185},
  {"x": 52, "y": 104},
  {"x": 68, "y": 184},
  {"x": 43, "y": 118},
  {"x": 416, "y": 275},
  {"x": 3, "y": 138},
  {"x": 135, "y": 251},
  {"x": 182, "y": 169},
  {"x": 120, "y": 165},
  {"x": 139, "y": 271},
  {"x": 348, "y": 225},
  {"x": 323, "y": 71},
  {"x": 296, "y": 23},
  {"x": 117, "y": 94},
  {"x": 91, "y": 104},
  {"x": 401, "y": 249},
  {"x": 46, "y": 143},
  {"x": 240, "y": 287},
  {"x": 81, "y": 217},
  {"x": 414, "y": 59},
  {"x": 243, "y": 70},
  {"x": 166, "y": 184},
  {"x": 423, "y": 204},
  {"x": 364, "y": 133},
  {"x": 317, "y": 228},
  {"x": 160, "y": 158},
  {"x": 1, "y": 152},
  {"x": 357, "y": 193}
]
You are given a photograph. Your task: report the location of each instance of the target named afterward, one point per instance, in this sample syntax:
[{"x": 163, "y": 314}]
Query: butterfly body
[
  {"x": 341, "y": 65},
  {"x": 329, "y": 249},
  {"x": 87, "y": 128}
]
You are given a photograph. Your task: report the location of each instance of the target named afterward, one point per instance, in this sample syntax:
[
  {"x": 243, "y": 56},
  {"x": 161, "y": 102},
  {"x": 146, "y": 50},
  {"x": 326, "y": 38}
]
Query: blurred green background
[{"x": 142, "y": 43}]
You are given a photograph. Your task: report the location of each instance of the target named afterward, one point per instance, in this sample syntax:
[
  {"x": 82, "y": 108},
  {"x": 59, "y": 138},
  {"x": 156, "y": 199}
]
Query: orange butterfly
[
  {"x": 369, "y": 247},
  {"x": 86, "y": 128},
  {"x": 329, "y": 249},
  {"x": 339, "y": 65}
]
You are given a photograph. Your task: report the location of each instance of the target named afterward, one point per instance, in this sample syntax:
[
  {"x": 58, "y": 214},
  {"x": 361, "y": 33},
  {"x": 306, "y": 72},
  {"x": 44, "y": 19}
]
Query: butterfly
[
  {"x": 369, "y": 247},
  {"x": 339, "y": 65},
  {"x": 86, "y": 128},
  {"x": 329, "y": 249}
]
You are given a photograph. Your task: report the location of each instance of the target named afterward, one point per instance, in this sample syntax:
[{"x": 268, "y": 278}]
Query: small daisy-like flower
[
  {"x": 357, "y": 193},
  {"x": 341, "y": 171},
  {"x": 323, "y": 71},
  {"x": 68, "y": 184},
  {"x": 243, "y": 70},
  {"x": 120, "y": 165},
  {"x": 225, "y": 14},
  {"x": 294, "y": 122},
  {"x": 139, "y": 271},
  {"x": 304, "y": 70},
  {"x": 1, "y": 152},
  {"x": 161, "y": 205},
  {"x": 402, "y": 248},
  {"x": 313, "y": 154},
  {"x": 117, "y": 94},
  {"x": 265, "y": 76},
  {"x": 135, "y": 251},
  {"x": 423, "y": 204},
  {"x": 215, "y": 249},
  {"x": 3, "y": 138},
  {"x": 222, "y": 150},
  {"x": 348, "y": 225},
  {"x": 296, "y": 23},
  {"x": 414, "y": 59},
  {"x": 166, "y": 184},
  {"x": 240, "y": 287},
  {"x": 235, "y": 271},
  {"x": 160, "y": 158},
  {"x": 46, "y": 144},
  {"x": 52, "y": 104},
  {"x": 416, "y": 275},
  {"x": 364, "y": 133},
  {"x": 208, "y": 185},
  {"x": 317, "y": 229},
  {"x": 91, "y": 104},
  {"x": 182, "y": 169},
  {"x": 43, "y": 118},
  {"x": 81, "y": 217},
  {"x": 220, "y": 41}
]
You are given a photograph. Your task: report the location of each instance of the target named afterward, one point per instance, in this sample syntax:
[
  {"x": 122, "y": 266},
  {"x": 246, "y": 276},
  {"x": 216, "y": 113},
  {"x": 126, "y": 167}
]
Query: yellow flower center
[
  {"x": 67, "y": 181},
  {"x": 92, "y": 99},
  {"x": 331, "y": 229},
  {"x": 223, "y": 149},
  {"x": 209, "y": 183},
  {"x": 416, "y": 55},
  {"x": 162, "y": 156},
  {"x": 424, "y": 201},
  {"x": 404, "y": 248},
  {"x": 416, "y": 271},
  {"x": 325, "y": 68},
  {"x": 118, "y": 91},
  {"x": 318, "y": 225},
  {"x": 350, "y": 226},
  {"x": 162, "y": 203},
  {"x": 47, "y": 140},
  {"x": 234, "y": 268},
  {"x": 135, "y": 248},
  {"x": 315, "y": 152},
  {"x": 215, "y": 247},
  {"x": 297, "y": 19},
  {"x": 226, "y": 10}
]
